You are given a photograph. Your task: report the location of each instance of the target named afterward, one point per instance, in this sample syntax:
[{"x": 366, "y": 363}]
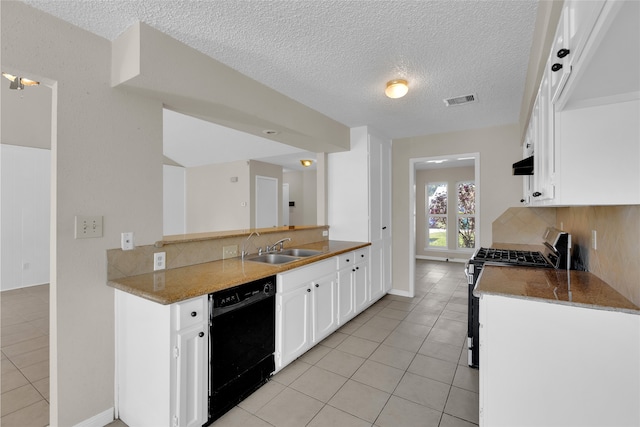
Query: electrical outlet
[
  {"x": 325, "y": 233},
  {"x": 126, "y": 241},
  {"x": 88, "y": 227},
  {"x": 159, "y": 261},
  {"x": 594, "y": 240},
  {"x": 230, "y": 251}
]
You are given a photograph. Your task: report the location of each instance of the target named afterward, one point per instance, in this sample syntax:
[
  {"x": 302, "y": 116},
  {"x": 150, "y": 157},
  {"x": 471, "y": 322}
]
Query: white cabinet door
[
  {"x": 377, "y": 271},
  {"x": 359, "y": 277},
  {"x": 346, "y": 304},
  {"x": 324, "y": 307},
  {"x": 162, "y": 361},
  {"x": 380, "y": 214},
  {"x": 293, "y": 329},
  {"x": 191, "y": 377},
  {"x": 544, "y": 154}
]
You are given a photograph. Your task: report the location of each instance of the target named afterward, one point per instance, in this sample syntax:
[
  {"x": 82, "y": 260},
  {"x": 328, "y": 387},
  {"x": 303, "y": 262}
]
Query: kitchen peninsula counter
[
  {"x": 179, "y": 284},
  {"x": 552, "y": 286}
]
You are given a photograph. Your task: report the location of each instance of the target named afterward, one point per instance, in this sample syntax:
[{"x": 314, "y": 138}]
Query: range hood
[{"x": 523, "y": 167}]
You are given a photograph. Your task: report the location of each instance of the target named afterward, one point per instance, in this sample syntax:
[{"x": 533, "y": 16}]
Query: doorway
[
  {"x": 28, "y": 194},
  {"x": 439, "y": 162}
]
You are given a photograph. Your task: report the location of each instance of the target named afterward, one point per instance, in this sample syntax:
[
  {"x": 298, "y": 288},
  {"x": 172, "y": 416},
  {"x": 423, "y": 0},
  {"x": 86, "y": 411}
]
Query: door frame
[{"x": 412, "y": 206}]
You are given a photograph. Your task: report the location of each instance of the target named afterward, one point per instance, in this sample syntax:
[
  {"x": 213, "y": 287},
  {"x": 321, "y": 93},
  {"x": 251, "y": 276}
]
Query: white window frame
[
  {"x": 459, "y": 216},
  {"x": 428, "y": 215}
]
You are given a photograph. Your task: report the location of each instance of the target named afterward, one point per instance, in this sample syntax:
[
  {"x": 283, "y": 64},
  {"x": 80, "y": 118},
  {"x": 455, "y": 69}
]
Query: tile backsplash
[
  {"x": 617, "y": 257},
  {"x": 523, "y": 225},
  {"x": 140, "y": 260}
]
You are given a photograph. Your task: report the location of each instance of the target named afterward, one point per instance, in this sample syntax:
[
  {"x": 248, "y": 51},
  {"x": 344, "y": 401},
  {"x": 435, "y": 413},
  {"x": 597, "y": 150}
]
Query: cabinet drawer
[
  {"x": 191, "y": 312},
  {"x": 346, "y": 259},
  {"x": 361, "y": 255},
  {"x": 303, "y": 276}
]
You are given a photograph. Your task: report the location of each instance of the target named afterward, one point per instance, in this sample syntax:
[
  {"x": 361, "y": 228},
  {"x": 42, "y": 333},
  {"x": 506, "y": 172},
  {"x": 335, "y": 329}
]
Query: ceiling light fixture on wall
[
  {"x": 19, "y": 83},
  {"x": 396, "y": 88},
  {"x": 306, "y": 163}
]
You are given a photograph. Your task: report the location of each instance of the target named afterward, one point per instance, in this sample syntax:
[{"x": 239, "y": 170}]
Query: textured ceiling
[{"x": 336, "y": 56}]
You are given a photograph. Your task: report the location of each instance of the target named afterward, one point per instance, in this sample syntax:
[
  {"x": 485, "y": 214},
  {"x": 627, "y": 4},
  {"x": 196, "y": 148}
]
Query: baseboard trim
[
  {"x": 444, "y": 259},
  {"x": 100, "y": 420},
  {"x": 399, "y": 293}
]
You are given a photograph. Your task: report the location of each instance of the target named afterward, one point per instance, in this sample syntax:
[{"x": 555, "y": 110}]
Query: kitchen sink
[
  {"x": 273, "y": 258},
  {"x": 300, "y": 252}
]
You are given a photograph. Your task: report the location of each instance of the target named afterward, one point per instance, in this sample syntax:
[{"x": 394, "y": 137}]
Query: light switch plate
[
  {"x": 126, "y": 241},
  {"x": 88, "y": 227}
]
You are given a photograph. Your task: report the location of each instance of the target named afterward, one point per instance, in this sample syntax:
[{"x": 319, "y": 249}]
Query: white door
[{"x": 266, "y": 202}]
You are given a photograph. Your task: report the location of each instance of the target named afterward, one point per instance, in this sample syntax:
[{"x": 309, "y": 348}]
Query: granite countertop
[
  {"x": 549, "y": 285},
  {"x": 179, "y": 284}
]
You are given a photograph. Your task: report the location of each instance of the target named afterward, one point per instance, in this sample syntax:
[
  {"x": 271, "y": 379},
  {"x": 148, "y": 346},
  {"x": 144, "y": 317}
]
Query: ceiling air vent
[{"x": 459, "y": 100}]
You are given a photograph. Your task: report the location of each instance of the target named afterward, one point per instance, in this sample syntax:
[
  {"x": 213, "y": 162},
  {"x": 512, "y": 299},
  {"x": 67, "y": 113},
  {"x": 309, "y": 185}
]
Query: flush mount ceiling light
[
  {"x": 396, "y": 88},
  {"x": 19, "y": 82},
  {"x": 306, "y": 163}
]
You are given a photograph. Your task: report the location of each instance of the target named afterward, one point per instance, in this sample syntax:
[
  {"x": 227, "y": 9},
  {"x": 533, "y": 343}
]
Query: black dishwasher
[{"x": 241, "y": 343}]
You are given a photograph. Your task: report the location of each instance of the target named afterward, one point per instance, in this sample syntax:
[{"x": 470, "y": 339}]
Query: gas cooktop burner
[{"x": 511, "y": 256}]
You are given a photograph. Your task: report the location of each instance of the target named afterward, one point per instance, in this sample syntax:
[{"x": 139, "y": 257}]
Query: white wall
[
  {"x": 214, "y": 202},
  {"x": 499, "y": 148},
  {"x": 303, "y": 191},
  {"x": 174, "y": 200},
  {"x": 106, "y": 159},
  {"x": 25, "y": 187},
  {"x": 310, "y": 198}
]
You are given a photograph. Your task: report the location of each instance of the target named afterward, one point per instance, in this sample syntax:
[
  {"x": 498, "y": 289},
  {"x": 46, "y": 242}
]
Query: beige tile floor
[
  {"x": 24, "y": 342},
  {"x": 400, "y": 363}
]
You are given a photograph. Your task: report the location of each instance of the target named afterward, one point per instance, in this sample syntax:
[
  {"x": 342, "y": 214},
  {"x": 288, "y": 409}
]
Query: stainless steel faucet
[
  {"x": 244, "y": 244},
  {"x": 280, "y": 242}
]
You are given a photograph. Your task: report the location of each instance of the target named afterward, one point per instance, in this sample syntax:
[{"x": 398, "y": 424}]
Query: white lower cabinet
[
  {"x": 377, "y": 271},
  {"x": 161, "y": 361},
  {"x": 191, "y": 377},
  {"x": 305, "y": 309},
  {"x": 293, "y": 329},
  {"x": 315, "y": 300},
  {"x": 548, "y": 364},
  {"x": 346, "y": 295},
  {"x": 353, "y": 268},
  {"x": 323, "y": 301}
]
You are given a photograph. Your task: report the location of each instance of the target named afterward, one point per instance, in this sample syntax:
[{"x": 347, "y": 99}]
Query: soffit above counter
[{"x": 185, "y": 80}]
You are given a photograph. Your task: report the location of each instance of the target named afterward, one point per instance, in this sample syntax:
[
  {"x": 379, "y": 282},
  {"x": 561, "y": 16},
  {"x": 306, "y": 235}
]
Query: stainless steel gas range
[{"x": 557, "y": 250}]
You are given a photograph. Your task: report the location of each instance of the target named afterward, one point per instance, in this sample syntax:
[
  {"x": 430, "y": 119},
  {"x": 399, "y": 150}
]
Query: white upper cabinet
[
  {"x": 584, "y": 126},
  {"x": 360, "y": 198}
]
